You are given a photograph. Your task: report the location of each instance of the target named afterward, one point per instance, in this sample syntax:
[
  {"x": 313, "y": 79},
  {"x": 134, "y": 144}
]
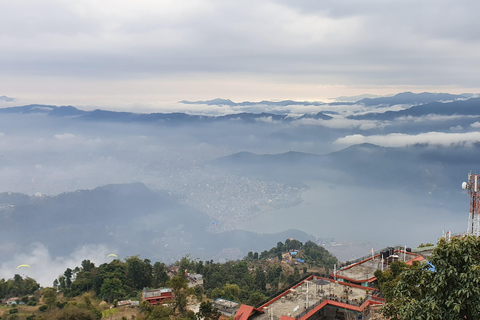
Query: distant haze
[{"x": 80, "y": 184}]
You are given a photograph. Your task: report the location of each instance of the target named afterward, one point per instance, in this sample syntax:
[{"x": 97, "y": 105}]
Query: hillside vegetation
[{"x": 82, "y": 292}]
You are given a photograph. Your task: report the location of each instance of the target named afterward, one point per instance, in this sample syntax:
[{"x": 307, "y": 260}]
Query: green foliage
[
  {"x": 138, "y": 273},
  {"x": 109, "y": 312},
  {"x": 50, "y": 296},
  {"x": 421, "y": 245},
  {"x": 159, "y": 276},
  {"x": 112, "y": 289},
  {"x": 451, "y": 291},
  {"x": 42, "y": 308},
  {"x": 312, "y": 253},
  {"x": 17, "y": 286},
  {"x": 256, "y": 299},
  {"x": 76, "y": 313},
  {"x": 208, "y": 311},
  {"x": 161, "y": 313},
  {"x": 264, "y": 275},
  {"x": 114, "y": 280},
  {"x": 179, "y": 286},
  {"x": 12, "y": 311}
]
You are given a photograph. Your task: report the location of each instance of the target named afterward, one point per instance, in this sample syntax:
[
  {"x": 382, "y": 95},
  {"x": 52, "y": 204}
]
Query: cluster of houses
[{"x": 13, "y": 301}]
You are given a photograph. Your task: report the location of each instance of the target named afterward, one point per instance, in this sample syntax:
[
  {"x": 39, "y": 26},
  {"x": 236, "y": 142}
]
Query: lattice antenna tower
[{"x": 473, "y": 186}]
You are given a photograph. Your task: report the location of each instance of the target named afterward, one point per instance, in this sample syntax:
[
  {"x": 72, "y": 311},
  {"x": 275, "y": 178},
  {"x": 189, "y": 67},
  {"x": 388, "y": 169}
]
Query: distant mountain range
[
  {"x": 470, "y": 107},
  {"x": 400, "y": 98},
  {"x": 417, "y": 167},
  {"x": 228, "y": 102},
  {"x": 422, "y": 104},
  {"x": 126, "y": 117},
  {"x": 413, "y": 98}
]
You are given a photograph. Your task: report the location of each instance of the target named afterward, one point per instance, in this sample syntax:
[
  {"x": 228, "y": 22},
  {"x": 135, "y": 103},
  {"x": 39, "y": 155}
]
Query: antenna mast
[{"x": 472, "y": 185}]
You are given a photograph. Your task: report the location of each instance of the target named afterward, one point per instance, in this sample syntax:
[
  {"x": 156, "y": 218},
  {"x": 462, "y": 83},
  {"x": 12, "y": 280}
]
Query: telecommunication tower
[{"x": 473, "y": 185}]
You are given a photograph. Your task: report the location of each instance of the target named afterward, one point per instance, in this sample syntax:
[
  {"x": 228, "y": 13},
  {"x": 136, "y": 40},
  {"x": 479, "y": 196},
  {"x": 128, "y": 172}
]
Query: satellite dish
[{"x": 464, "y": 185}]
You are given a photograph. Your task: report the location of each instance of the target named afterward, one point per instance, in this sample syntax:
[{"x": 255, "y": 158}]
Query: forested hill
[{"x": 252, "y": 280}]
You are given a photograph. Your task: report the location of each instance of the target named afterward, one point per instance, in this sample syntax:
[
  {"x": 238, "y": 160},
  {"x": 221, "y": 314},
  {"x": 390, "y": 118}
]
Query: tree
[
  {"x": 179, "y": 287},
  {"x": 231, "y": 292},
  {"x": 160, "y": 313},
  {"x": 208, "y": 311},
  {"x": 112, "y": 289},
  {"x": 445, "y": 288},
  {"x": 50, "y": 297},
  {"x": 160, "y": 276},
  {"x": 256, "y": 299},
  {"x": 260, "y": 278},
  {"x": 68, "y": 278}
]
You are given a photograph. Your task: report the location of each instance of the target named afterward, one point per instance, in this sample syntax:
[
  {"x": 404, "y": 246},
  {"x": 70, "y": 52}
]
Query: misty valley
[{"x": 215, "y": 185}]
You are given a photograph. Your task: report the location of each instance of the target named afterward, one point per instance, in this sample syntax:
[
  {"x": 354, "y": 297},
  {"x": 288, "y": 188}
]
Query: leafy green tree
[
  {"x": 61, "y": 283},
  {"x": 256, "y": 299},
  {"x": 231, "y": 292},
  {"x": 260, "y": 279},
  {"x": 90, "y": 307},
  {"x": 87, "y": 266},
  {"x": 179, "y": 286},
  {"x": 216, "y": 293},
  {"x": 160, "y": 312},
  {"x": 112, "y": 289},
  {"x": 50, "y": 297},
  {"x": 112, "y": 270},
  {"x": 250, "y": 255},
  {"x": 160, "y": 276},
  {"x": 449, "y": 291},
  {"x": 208, "y": 312},
  {"x": 68, "y": 278},
  {"x": 138, "y": 272}
]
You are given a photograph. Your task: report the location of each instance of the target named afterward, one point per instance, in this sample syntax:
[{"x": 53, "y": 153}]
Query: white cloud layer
[
  {"x": 45, "y": 268},
  {"x": 402, "y": 140}
]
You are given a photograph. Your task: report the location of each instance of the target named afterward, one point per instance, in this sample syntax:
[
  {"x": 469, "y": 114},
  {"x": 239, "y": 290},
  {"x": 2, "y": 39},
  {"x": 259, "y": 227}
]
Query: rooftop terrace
[
  {"x": 298, "y": 301},
  {"x": 363, "y": 271}
]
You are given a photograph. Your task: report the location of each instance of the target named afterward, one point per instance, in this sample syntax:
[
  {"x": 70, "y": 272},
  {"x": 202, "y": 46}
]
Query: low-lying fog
[{"x": 398, "y": 193}]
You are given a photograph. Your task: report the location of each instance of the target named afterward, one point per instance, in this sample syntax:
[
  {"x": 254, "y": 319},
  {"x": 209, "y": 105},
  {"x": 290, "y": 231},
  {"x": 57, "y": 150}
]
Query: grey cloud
[
  {"x": 346, "y": 42},
  {"x": 6, "y": 99},
  {"x": 402, "y": 139}
]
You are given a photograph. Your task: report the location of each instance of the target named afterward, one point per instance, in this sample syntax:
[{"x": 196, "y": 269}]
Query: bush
[
  {"x": 31, "y": 317},
  {"x": 31, "y": 303},
  {"x": 43, "y": 308},
  {"x": 12, "y": 311}
]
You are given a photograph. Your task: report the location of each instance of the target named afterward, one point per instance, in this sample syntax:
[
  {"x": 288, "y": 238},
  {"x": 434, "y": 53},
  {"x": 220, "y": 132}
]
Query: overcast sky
[{"x": 147, "y": 54}]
